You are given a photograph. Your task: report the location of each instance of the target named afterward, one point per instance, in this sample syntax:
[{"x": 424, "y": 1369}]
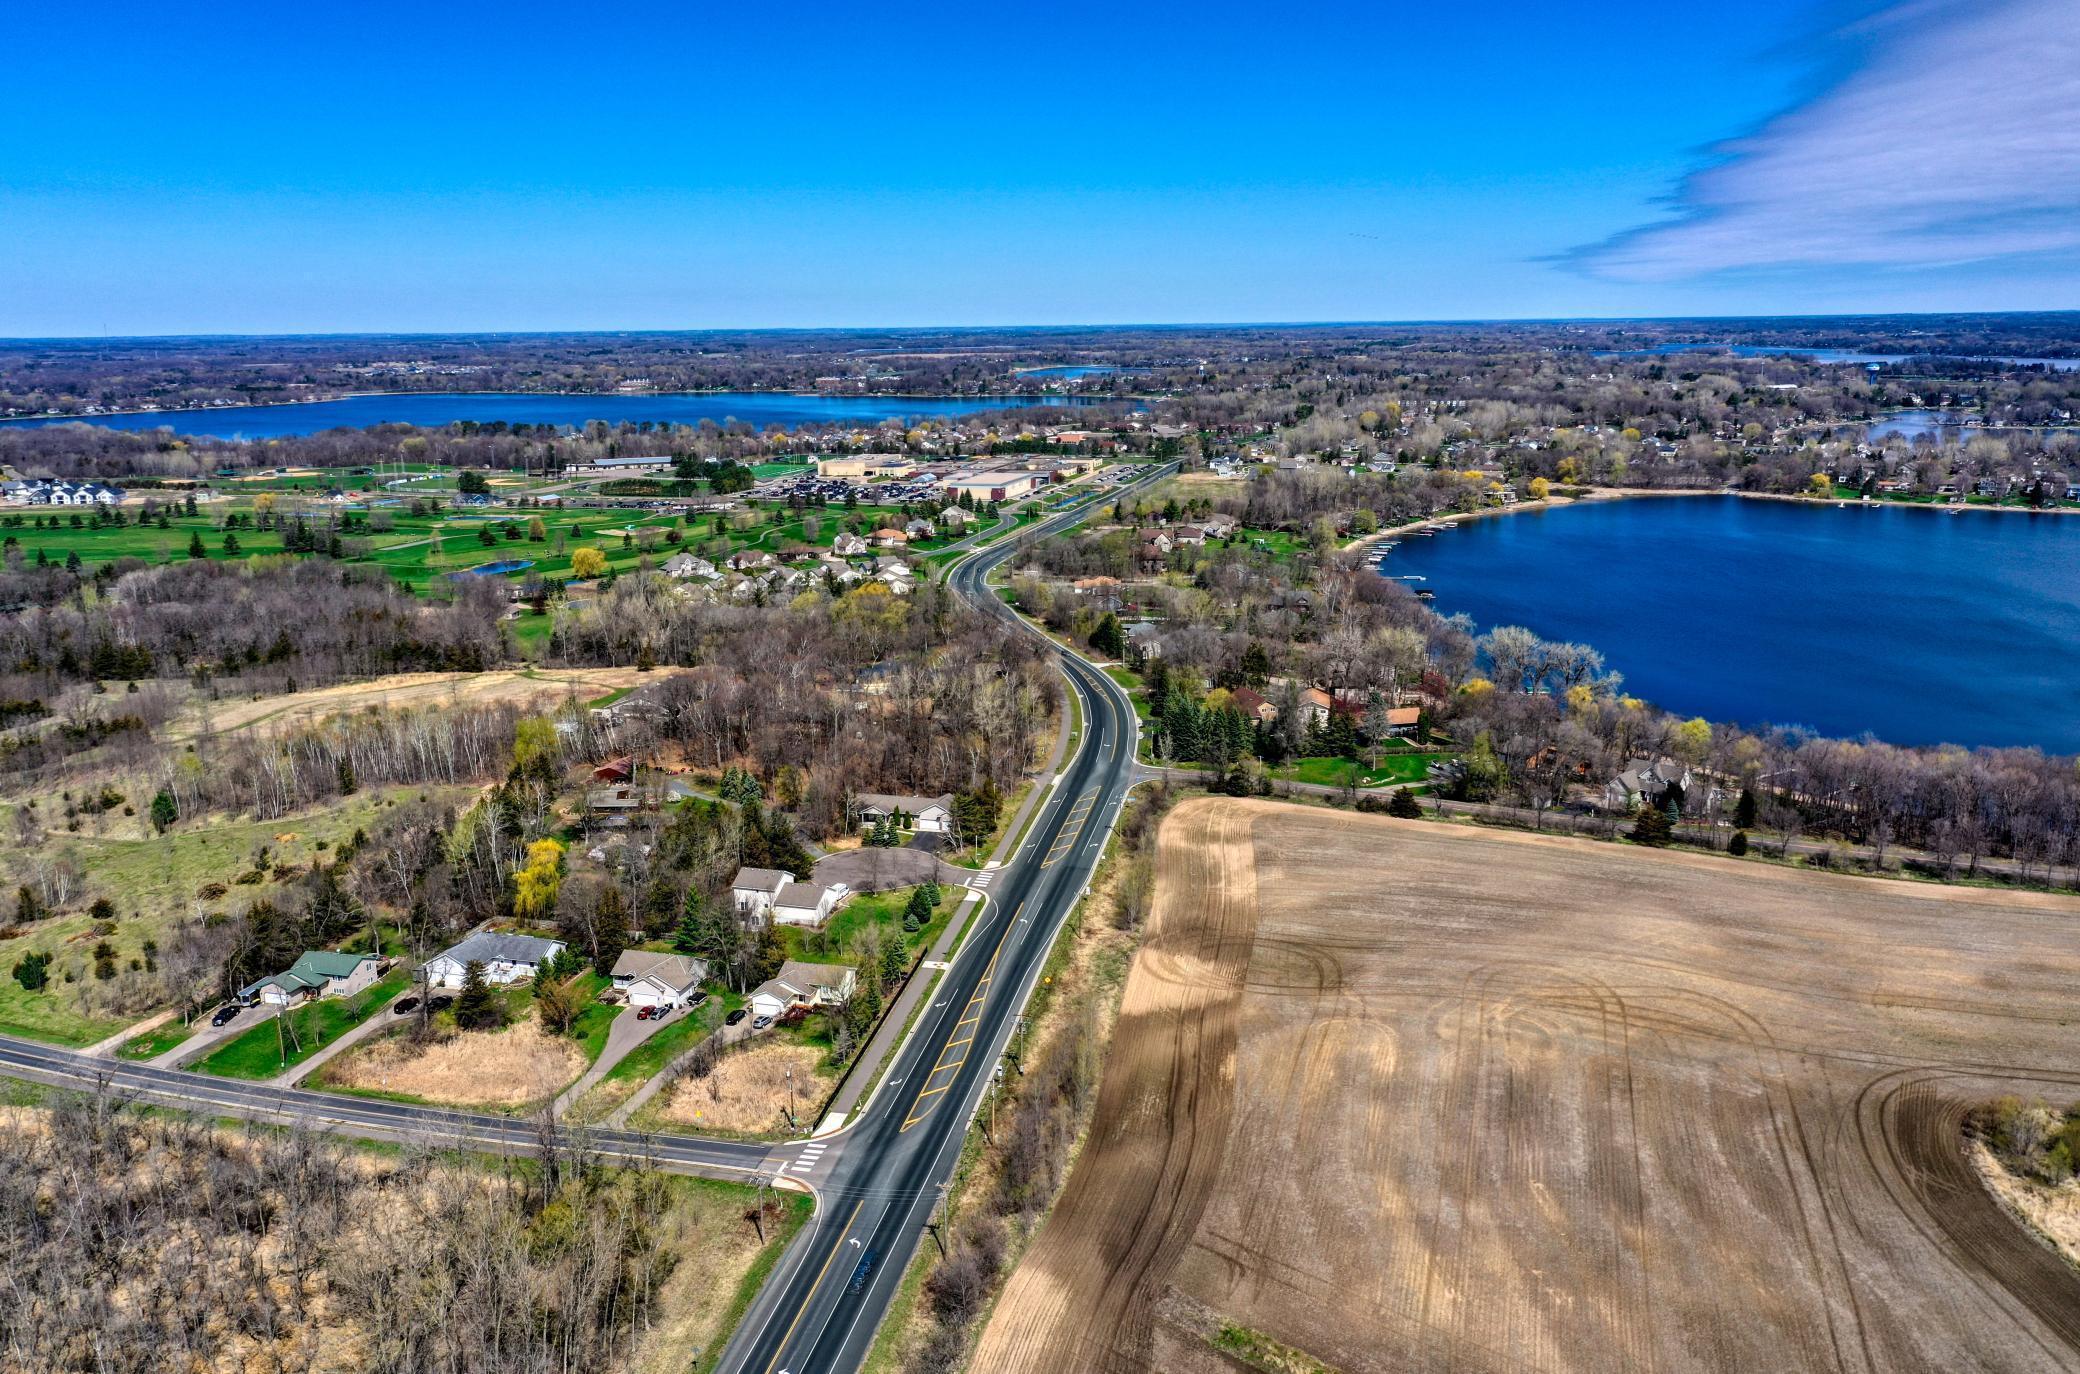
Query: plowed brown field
[{"x": 1409, "y": 1097}]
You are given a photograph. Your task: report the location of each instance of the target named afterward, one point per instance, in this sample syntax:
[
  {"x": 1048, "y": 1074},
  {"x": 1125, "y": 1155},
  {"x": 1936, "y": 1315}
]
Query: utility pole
[{"x": 790, "y": 1099}]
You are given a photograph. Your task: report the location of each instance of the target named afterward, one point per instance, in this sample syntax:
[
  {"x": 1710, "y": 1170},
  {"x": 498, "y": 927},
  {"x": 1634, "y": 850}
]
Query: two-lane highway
[
  {"x": 367, "y": 1118},
  {"x": 820, "y": 1310}
]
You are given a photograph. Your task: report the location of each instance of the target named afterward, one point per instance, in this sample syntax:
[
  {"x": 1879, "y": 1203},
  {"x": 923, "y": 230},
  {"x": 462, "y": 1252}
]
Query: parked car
[
  {"x": 734, "y": 1017},
  {"x": 403, "y": 1005},
  {"x": 761, "y": 1023},
  {"x": 647, "y": 1013},
  {"x": 225, "y": 1014}
]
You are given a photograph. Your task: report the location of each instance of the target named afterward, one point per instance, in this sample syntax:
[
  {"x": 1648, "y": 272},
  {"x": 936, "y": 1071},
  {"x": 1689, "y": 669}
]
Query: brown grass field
[
  {"x": 506, "y": 1068},
  {"x": 747, "y": 1092},
  {"x": 1415, "y": 1098},
  {"x": 547, "y": 687}
]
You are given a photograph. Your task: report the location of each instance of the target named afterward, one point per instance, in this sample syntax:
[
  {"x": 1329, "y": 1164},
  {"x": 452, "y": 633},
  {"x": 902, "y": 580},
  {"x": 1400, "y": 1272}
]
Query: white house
[
  {"x": 931, "y": 815},
  {"x": 803, "y": 985},
  {"x": 658, "y": 980},
  {"x": 319, "y": 973},
  {"x": 848, "y": 545},
  {"x": 752, "y": 892},
  {"x": 37, "y": 492},
  {"x": 688, "y": 565},
  {"x": 506, "y": 959},
  {"x": 808, "y": 904}
]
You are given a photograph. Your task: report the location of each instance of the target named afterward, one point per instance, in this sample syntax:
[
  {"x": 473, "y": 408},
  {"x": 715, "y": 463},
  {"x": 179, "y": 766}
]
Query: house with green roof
[{"x": 319, "y": 973}]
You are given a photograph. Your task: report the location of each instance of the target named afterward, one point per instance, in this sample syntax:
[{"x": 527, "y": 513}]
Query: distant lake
[
  {"x": 1832, "y": 355},
  {"x": 431, "y": 410},
  {"x": 1916, "y": 625}
]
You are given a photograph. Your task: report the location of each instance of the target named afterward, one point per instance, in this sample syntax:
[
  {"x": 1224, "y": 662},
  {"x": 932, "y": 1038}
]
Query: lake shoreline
[
  {"x": 1025, "y": 402},
  {"x": 1914, "y": 631},
  {"x": 1598, "y": 495}
]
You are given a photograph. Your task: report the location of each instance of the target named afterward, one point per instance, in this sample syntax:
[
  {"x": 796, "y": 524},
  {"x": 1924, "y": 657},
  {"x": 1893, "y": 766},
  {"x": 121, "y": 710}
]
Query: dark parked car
[
  {"x": 225, "y": 1013},
  {"x": 734, "y": 1017},
  {"x": 403, "y": 1005}
]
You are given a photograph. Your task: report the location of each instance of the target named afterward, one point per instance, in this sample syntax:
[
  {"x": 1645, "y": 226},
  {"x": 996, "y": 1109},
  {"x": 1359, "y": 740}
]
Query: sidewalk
[
  {"x": 380, "y": 1019},
  {"x": 895, "y": 1025},
  {"x": 618, "y": 1118}
]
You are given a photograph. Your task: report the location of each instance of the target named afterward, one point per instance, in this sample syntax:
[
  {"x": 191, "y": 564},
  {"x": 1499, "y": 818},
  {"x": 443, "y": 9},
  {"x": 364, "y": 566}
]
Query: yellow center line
[
  {"x": 914, "y": 1115},
  {"x": 781, "y": 1348}
]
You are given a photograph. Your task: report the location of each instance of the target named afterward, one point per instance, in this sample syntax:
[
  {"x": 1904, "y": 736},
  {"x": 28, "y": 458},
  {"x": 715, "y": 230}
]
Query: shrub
[
  {"x": 1738, "y": 845},
  {"x": 32, "y": 970}
]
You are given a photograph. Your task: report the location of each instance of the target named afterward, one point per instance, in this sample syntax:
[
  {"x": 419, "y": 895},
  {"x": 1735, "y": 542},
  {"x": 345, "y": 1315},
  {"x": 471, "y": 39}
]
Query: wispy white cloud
[{"x": 1955, "y": 140}]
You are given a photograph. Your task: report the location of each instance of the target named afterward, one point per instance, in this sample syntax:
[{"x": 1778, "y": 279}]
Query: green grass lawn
[
  {"x": 155, "y": 880},
  {"x": 154, "y": 1043},
  {"x": 869, "y": 910},
  {"x": 1337, "y": 772},
  {"x": 257, "y": 1053}
]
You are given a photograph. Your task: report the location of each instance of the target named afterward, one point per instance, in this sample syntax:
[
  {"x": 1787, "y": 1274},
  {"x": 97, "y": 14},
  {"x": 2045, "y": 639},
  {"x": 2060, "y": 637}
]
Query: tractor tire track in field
[
  {"x": 1413, "y": 1099},
  {"x": 1084, "y": 1297}
]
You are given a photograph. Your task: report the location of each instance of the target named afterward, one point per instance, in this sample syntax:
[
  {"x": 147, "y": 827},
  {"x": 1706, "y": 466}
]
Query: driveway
[
  {"x": 204, "y": 1040},
  {"x": 868, "y": 869},
  {"x": 625, "y": 1034}
]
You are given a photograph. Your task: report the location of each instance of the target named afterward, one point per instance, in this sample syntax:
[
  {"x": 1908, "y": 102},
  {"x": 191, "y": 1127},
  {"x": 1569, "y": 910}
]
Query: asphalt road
[
  {"x": 879, "y": 1182},
  {"x": 368, "y": 1118}
]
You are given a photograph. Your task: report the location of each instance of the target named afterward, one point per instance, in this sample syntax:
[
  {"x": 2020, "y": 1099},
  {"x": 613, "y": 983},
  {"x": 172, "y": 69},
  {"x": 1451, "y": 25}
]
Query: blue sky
[{"x": 248, "y": 168}]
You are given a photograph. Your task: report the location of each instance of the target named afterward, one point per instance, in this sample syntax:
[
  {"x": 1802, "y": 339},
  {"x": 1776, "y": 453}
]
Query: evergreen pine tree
[
  {"x": 476, "y": 1008},
  {"x": 1744, "y": 810}
]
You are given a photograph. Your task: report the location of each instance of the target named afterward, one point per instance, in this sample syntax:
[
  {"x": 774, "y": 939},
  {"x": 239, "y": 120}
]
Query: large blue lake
[
  {"x": 433, "y": 409},
  {"x": 1829, "y": 355},
  {"x": 1916, "y": 625}
]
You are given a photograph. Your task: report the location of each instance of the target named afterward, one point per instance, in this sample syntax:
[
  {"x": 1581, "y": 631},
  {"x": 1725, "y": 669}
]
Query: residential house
[
  {"x": 37, "y": 492},
  {"x": 753, "y": 890},
  {"x": 616, "y": 770},
  {"x": 889, "y": 537},
  {"x": 874, "y": 679},
  {"x": 954, "y": 519},
  {"x": 803, "y": 985},
  {"x": 848, "y": 545},
  {"x": 1146, "y": 636},
  {"x": 658, "y": 980},
  {"x": 318, "y": 973},
  {"x": 684, "y": 565},
  {"x": 927, "y": 815},
  {"x": 1253, "y": 705},
  {"x": 1219, "y": 526},
  {"x": 808, "y": 904},
  {"x": 506, "y": 959},
  {"x": 1650, "y": 780},
  {"x": 1183, "y": 536},
  {"x": 1151, "y": 556},
  {"x": 920, "y": 529},
  {"x": 618, "y": 801}
]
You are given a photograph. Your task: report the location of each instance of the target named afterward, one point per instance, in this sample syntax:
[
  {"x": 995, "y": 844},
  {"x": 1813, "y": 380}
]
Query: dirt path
[
  {"x": 1492, "y": 1103},
  {"x": 1085, "y": 1296}
]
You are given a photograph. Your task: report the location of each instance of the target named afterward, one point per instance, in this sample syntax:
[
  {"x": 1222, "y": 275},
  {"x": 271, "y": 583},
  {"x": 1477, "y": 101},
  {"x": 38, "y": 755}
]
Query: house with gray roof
[
  {"x": 506, "y": 959},
  {"x": 651, "y": 979}
]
